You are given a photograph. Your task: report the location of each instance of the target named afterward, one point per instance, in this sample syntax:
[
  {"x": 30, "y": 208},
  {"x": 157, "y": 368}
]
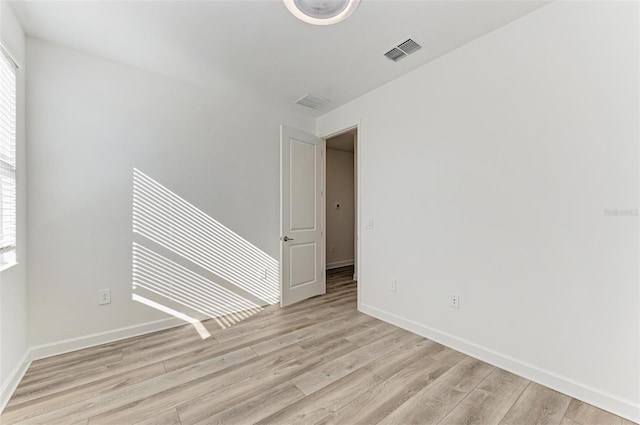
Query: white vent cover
[
  {"x": 395, "y": 54},
  {"x": 311, "y": 101},
  {"x": 402, "y": 50}
]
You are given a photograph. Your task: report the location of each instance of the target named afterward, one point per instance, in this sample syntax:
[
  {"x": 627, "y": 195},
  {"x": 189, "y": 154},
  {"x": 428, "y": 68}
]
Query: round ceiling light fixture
[{"x": 322, "y": 12}]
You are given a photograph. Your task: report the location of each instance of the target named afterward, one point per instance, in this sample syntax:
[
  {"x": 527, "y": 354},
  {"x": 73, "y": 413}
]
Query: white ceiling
[{"x": 257, "y": 48}]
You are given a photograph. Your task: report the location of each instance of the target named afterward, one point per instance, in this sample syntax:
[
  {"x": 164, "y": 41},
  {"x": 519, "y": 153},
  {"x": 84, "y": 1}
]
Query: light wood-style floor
[{"x": 317, "y": 362}]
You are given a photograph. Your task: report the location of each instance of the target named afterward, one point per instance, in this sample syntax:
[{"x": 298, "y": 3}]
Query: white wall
[
  {"x": 91, "y": 122},
  {"x": 340, "y": 222},
  {"x": 13, "y": 281},
  {"x": 487, "y": 173}
]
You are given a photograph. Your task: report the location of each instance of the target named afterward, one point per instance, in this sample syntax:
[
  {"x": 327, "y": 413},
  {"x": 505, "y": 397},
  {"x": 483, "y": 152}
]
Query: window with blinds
[{"x": 7, "y": 159}]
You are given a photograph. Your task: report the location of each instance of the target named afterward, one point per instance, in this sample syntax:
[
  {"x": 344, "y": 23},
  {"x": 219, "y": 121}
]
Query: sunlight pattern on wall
[
  {"x": 166, "y": 278},
  {"x": 187, "y": 264},
  {"x": 168, "y": 220}
]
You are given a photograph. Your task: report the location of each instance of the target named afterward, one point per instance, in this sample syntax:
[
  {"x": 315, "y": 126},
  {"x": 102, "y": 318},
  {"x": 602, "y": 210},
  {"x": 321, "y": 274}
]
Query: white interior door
[{"x": 301, "y": 216}]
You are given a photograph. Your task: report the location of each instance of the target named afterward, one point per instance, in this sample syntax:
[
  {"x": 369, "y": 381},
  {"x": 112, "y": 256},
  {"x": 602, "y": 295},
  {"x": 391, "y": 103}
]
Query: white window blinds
[{"x": 7, "y": 154}]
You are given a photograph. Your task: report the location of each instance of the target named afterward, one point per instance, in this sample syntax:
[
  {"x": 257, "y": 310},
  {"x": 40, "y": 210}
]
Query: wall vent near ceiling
[
  {"x": 312, "y": 101},
  {"x": 402, "y": 50}
]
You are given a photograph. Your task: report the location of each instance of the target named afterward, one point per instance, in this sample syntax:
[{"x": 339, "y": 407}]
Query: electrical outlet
[
  {"x": 454, "y": 301},
  {"x": 393, "y": 285},
  {"x": 104, "y": 296}
]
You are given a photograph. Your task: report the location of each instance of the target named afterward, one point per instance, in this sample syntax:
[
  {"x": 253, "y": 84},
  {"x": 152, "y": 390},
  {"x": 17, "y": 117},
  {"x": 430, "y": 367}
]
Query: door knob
[{"x": 286, "y": 238}]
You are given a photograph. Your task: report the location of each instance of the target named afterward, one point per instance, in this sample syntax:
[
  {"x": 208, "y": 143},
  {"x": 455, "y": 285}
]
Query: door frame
[{"x": 358, "y": 187}]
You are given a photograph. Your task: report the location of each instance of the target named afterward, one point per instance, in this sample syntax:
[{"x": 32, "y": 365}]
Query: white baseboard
[
  {"x": 91, "y": 340},
  {"x": 337, "y": 264},
  {"x": 625, "y": 408},
  {"x": 10, "y": 385}
]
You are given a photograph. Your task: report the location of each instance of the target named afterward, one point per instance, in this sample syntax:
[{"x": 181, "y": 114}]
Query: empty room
[{"x": 319, "y": 212}]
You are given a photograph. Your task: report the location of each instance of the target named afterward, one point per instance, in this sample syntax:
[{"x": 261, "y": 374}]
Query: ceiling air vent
[
  {"x": 311, "y": 101},
  {"x": 409, "y": 46},
  {"x": 402, "y": 50},
  {"x": 395, "y": 54}
]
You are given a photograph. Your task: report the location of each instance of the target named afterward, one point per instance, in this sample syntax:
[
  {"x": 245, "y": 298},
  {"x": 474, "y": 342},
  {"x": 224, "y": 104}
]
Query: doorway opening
[{"x": 341, "y": 204}]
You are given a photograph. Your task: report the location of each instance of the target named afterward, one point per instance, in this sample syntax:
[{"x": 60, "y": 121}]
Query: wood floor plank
[
  {"x": 75, "y": 391},
  {"x": 489, "y": 402},
  {"x": 139, "y": 391},
  {"x": 66, "y": 359},
  {"x": 213, "y": 402},
  {"x": 256, "y": 408},
  {"x": 150, "y": 349},
  {"x": 195, "y": 356},
  {"x": 167, "y": 351},
  {"x": 371, "y": 333},
  {"x": 168, "y": 417},
  {"x": 74, "y": 366},
  {"x": 330, "y": 348},
  {"x": 432, "y": 403},
  {"x": 256, "y": 327},
  {"x": 59, "y": 381},
  {"x": 325, "y": 374},
  {"x": 206, "y": 395},
  {"x": 329, "y": 399},
  {"x": 271, "y": 315},
  {"x": 320, "y": 329},
  {"x": 224, "y": 379},
  {"x": 402, "y": 357},
  {"x": 380, "y": 401},
  {"x": 449, "y": 356},
  {"x": 586, "y": 414},
  {"x": 537, "y": 405},
  {"x": 337, "y": 333}
]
